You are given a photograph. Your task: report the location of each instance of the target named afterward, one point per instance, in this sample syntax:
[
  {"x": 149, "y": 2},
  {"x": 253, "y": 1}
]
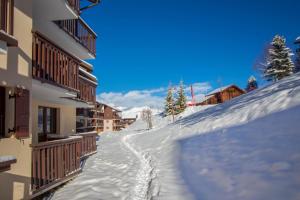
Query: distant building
[
  {"x": 128, "y": 121},
  {"x": 90, "y": 119},
  {"x": 112, "y": 119},
  {"x": 220, "y": 95}
]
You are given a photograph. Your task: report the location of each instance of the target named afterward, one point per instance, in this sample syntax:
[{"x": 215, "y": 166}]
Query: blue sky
[{"x": 143, "y": 45}]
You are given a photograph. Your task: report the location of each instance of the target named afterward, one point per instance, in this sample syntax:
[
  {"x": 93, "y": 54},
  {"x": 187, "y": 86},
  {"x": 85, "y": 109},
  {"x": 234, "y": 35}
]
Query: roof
[
  {"x": 221, "y": 89},
  {"x": 115, "y": 109}
]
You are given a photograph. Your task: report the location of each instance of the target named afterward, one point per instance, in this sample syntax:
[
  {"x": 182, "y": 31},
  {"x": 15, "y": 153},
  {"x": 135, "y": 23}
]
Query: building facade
[
  {"x": 112, "y": 119},
  {"x": 43, "y": 80}
]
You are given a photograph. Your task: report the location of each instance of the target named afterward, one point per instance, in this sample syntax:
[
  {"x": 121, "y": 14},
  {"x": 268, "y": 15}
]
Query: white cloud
[{"x": 153, "y": 98}]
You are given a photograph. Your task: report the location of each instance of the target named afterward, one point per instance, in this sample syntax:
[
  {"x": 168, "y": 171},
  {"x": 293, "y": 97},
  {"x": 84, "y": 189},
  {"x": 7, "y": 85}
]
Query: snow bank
[{"x": 247, "y": 148}]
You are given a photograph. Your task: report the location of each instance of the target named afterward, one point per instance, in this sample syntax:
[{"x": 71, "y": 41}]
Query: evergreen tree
[
  {"x": 252, "y": 84},
  {"x": 169, "y": 104},
  {"x": 297, "y": 64},
  {"x": 181, "y": 99},
  {"x": 279, "y": 62}
]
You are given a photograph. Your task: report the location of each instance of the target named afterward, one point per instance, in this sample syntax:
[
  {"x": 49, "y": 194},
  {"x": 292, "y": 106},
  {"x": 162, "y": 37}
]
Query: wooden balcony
[
  {"x": 81, "y": 32},
  {"x": 88, "y": 143},
  {"x": 55, "y": 162},
  {"x": 87, "y": 90},
  {"x": 53, "y": 65},
  {"x": 75, "y": 5}
]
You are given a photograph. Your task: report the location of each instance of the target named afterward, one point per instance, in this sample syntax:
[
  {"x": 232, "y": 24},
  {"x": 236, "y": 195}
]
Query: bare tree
[{"x": 147, "y": 117}]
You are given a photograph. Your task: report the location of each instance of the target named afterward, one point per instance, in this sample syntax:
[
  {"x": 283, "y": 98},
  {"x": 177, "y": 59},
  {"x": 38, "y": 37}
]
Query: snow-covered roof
[
  {"x": 219, "y": 89},
  {"x": 204, "y": 99}
]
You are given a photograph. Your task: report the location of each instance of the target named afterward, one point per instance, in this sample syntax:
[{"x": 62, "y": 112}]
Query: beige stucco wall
[
  {"x": 66, "y": 118},
  {"x": 108, "y": 125},
  {"x": 15, "y": 183},
  {"x": 15, "y": 71}
]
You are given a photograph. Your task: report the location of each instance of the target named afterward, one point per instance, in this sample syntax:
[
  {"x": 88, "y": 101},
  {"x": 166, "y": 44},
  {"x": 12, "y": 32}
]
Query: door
[{"x": 2, "y": 111}]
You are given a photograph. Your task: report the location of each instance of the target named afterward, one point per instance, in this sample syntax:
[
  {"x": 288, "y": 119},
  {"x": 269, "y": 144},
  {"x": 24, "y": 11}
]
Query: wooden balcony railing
[
  {"x": 53, "y": 65},
  {"x": 57, "y": 161},
  {"x": 87, "y": 90},
  {"x": 75, "y": 4},
  {"x": 88, "y": 143},
  {"x": 7, "y": 16},
  {"x": 81, "y": 32}
]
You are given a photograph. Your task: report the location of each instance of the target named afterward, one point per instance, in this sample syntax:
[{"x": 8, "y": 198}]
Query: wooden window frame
[{"x": 53, "y": 121}]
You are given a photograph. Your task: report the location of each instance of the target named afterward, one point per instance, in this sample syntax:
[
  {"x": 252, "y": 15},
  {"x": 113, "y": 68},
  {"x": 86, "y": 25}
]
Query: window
[{"x": 46, "y": 120}]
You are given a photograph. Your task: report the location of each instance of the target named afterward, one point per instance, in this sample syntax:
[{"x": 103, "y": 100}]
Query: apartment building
[
  {"x": 90, "y": 119},
  {"x": 112, "y": 119},
  {"x": 43, "y": 80}
]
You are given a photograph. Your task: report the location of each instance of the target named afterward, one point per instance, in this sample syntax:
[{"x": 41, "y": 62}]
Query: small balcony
[
  {"x": 87, "y": 89},
  {"x": 80, "y": 32},
  {"x": 53, "y": 65},
  {"x": 55, "y": 162}
]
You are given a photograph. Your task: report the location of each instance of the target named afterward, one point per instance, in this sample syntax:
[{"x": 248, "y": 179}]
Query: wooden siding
[
  {"x": 78, "y": 30},
  {"x": 53, "y": 65},
  {"x": 87, "y": 90}
]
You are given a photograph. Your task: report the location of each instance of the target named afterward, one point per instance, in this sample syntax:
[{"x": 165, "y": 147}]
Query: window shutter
[{"x": 22, "y": 113}]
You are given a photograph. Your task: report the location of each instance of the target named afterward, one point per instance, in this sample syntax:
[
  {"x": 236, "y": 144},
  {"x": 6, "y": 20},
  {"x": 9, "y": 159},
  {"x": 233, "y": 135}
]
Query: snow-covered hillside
[
  {"x": 247, "y": 148},
  {"x": 136, "y": 112}
]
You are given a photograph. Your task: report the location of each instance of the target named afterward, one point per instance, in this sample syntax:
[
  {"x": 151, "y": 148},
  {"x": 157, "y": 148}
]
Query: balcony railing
[
  {"x": 88, "y": 143},
  {"x": 81, "y": 32},
  {"x": 75, "y": 4},
  {"x": 53, "y": 65},
  {"x": 87, "y": 90},
  {"x": 54, "y": 161},
  {"x": 6, "y": 16},
  {"x": 57, "y": 161}
]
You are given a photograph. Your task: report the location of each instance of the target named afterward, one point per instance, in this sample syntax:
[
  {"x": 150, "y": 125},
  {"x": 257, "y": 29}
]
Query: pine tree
[
  {"x": 252, "y": 84},
  {"x": 297, "y": 64},
  {"x": 181, "y": 99},
  {"x": 169, "y": 104},
  {"x": 279, "y": 62}
]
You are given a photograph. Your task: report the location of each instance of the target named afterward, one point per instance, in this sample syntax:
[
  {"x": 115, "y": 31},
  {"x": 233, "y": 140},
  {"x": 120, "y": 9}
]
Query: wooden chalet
[{"x": 221, "y": 95}]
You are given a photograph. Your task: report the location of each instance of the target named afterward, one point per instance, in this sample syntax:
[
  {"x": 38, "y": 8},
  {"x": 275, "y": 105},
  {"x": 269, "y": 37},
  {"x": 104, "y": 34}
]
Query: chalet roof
[
  {"x": 114, "y": 109},
  {"x": 219, "y": 89},
  {"x": 298, "y": 40},
  {"x": 204, "y": 99}
]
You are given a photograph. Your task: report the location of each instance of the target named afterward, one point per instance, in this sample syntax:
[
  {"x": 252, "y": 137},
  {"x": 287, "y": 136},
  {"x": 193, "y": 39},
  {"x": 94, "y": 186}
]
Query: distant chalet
[{"x": 220, "y": 95}]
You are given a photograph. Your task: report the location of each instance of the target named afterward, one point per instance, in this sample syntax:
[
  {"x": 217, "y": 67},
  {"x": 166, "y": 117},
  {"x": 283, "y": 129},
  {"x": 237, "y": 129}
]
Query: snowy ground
[{"x": 248, "y": 148}]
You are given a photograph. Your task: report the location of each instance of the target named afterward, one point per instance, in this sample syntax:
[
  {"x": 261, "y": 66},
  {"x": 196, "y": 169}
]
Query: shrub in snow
[
  {"x": 279, "y": 62},
  {"x": 252, "y": 84}
]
